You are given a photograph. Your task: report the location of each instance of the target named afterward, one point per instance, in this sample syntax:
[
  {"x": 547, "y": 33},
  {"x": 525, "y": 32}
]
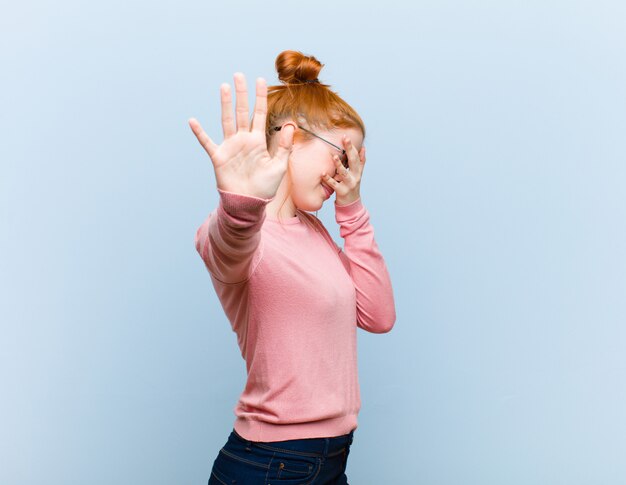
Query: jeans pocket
[{"x": 289, "y": 468}]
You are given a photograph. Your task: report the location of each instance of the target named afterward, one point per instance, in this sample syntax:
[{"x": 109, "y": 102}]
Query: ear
[
  {"x": 287, "y": 121},
  {"x": 275, "y": 135}
]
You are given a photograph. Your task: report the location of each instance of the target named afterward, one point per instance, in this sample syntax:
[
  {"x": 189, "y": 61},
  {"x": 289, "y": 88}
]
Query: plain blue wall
[{"x": 496, "y": 186}]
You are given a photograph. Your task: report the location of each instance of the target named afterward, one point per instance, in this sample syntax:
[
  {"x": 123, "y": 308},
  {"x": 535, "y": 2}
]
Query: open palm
[{"x": 242, "y": 163}]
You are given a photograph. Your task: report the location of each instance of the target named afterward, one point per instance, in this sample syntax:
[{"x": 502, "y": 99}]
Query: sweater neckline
[{"x": 285, "y": 220}]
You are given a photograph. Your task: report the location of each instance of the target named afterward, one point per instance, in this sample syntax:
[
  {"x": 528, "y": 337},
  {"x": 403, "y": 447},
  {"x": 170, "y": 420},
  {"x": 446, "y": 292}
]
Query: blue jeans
[{"x": 315, "y": 461}]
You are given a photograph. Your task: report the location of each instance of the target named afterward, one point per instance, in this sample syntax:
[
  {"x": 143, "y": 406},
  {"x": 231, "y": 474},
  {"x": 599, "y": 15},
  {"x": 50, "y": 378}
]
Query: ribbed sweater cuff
[
  {"x": 345, "y": 212},
  {"x": 242, "y": 206}
]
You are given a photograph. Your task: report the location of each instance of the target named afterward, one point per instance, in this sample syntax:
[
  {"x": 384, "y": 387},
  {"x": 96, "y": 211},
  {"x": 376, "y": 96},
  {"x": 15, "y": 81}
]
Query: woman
[{"x": 292, "y": 295}]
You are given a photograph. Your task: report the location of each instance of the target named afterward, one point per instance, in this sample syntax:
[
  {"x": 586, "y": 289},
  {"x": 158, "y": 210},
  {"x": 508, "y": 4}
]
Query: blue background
[{"x": 495, "y": 182}]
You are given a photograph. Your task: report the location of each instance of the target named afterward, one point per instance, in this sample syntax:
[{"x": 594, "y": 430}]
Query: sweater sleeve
[
  {"x": 229, "y": 240},
  {"x": 376, "y": 311}
]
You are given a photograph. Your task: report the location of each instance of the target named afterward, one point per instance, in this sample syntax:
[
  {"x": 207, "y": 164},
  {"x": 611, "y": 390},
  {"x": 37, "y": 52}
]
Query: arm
[
  {"x": 247, "y": 176},
  {"x": 229, "y": 240},
  {"x": 376, "y": 311}
]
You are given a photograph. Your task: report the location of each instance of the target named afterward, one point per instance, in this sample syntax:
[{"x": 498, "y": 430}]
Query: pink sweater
[{"x": 294, "y": 298}]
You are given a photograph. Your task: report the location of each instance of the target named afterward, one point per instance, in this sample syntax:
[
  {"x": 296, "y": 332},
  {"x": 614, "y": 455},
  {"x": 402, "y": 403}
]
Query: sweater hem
[{"x": 254, "y": 430}]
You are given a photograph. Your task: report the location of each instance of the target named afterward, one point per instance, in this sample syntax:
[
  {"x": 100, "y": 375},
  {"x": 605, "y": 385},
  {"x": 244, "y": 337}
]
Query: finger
[
  {"x": 285, "y": 142},
  {"x": 351, "y": 152},
  {"x": 228, "y": 122},
  {"x": 260, "y": 106},
  {"x": 331, "y": 181},
  {"x": 202, "y": 137},
  {"x": 362, "y": 154},
  {"x": 339, "y": 168},
  {"x": 241, "y": 103}
]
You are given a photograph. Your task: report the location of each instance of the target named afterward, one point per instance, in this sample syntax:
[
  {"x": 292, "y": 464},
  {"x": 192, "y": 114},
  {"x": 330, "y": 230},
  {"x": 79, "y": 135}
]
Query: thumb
[{"x": 285, "y": 142}]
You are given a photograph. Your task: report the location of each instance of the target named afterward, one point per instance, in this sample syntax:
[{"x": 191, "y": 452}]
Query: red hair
[{"x": 303, "y": 98}]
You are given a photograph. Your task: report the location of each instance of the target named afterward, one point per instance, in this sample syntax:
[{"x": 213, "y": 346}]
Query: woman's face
[{"x": 309, "y": 159}]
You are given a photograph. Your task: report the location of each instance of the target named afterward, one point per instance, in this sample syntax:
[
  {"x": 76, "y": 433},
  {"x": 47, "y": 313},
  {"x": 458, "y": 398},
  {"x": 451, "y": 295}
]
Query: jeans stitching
[
  {"x": 218, "y": 478},
  {"x": 297, "y": 471},
  {"x": 284, "y": 468},
  {"x": 303, "y": 453},
  {"x": 238, "y": 458},
  {"x": 282, "y": 450},
  {"x": 336, "y": 453},
  {"x": 269, "y": 467},
  {"x": 319, "y": 468}
]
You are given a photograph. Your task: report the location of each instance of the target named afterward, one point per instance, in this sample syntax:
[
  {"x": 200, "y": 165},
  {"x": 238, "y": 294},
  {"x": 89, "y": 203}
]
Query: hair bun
[{"x": 294, "y": 67}]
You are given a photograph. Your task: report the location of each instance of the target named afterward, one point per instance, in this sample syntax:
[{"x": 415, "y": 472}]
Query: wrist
[{"x": 347, "y": 200}]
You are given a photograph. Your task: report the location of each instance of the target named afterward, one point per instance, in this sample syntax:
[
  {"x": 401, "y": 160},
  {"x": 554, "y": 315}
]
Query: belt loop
[{"x": 326, "y": 443}]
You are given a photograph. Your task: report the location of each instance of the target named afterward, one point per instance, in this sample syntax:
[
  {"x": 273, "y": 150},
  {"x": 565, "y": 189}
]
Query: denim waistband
[{"x": 307, "y": 446}]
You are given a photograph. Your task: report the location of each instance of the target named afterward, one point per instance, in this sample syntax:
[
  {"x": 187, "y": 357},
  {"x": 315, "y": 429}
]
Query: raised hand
[{"x": 242, "y": 163}]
